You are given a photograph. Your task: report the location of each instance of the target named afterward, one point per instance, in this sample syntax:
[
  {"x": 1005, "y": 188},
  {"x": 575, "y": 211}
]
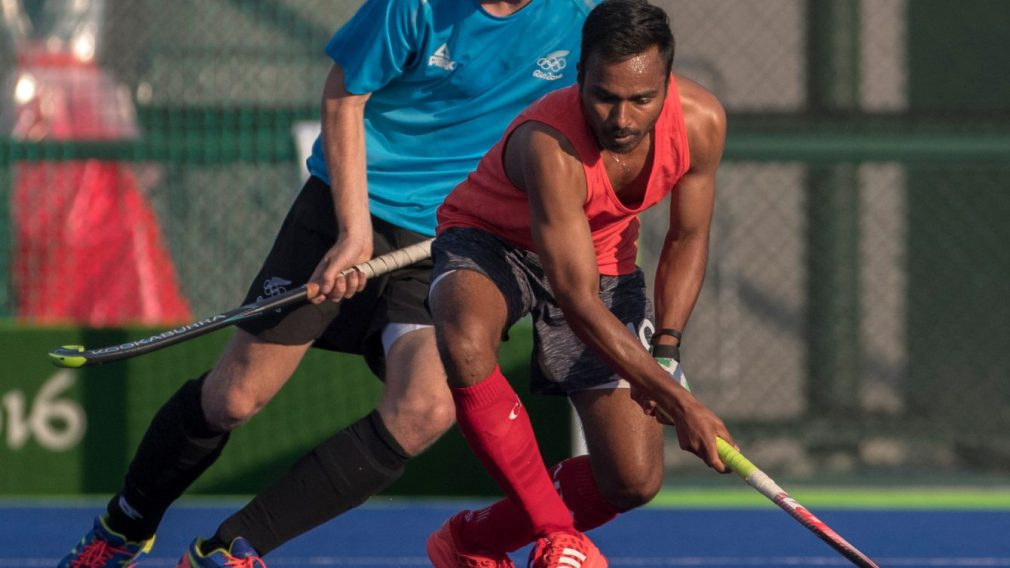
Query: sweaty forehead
[
  {"x": 643, "y": 69},
  {"x": 638, "y": 64}
]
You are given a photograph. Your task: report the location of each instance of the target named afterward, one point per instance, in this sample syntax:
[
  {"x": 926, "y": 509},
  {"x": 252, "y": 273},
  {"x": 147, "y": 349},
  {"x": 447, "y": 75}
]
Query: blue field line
[{"x": 393, "y": 532}]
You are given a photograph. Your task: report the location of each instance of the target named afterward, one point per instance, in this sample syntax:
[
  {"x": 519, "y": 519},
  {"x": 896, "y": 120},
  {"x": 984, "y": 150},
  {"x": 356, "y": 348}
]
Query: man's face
[{"x": 623, "y": 100}]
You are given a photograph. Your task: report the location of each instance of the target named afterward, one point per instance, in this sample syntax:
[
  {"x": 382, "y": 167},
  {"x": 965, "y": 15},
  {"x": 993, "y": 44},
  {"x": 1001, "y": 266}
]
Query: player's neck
[
  {"x": 503, "y": 8},
  {"x": 629, "y": 173}
]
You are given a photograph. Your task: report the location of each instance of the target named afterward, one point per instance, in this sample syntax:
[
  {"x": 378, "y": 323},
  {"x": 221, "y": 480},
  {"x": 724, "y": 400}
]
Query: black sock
[
  {"x": 178, "y": 446},
  {"x": 212, "y": 544},
  {"x": 339, "y": 474}
]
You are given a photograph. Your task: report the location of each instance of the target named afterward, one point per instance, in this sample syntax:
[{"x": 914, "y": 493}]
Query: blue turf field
[{"x": 392, "y": 533}]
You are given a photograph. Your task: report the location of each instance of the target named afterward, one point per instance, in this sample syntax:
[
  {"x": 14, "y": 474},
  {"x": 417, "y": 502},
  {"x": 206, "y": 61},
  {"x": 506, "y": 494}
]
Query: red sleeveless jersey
[{"x": 487, "y": 199}]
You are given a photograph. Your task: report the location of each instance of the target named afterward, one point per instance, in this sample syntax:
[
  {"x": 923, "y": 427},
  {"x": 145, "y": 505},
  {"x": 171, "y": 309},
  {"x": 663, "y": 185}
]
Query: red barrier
[{"x": 87, "y": 246}]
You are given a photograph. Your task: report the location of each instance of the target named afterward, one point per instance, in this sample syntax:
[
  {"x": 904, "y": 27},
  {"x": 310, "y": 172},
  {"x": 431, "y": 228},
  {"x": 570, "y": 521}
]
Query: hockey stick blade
[{"x": 75, "y": 356}]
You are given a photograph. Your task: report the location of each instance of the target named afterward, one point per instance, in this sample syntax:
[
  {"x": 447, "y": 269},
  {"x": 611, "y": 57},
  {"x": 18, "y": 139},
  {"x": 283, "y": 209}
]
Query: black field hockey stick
[{"x": 74, "y": 356}]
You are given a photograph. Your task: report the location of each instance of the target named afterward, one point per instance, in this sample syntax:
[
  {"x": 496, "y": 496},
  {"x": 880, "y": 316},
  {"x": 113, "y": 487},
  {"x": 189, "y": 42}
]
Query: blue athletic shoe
[
  {"x": 240, "y": 554},
  {"x": 105, "y": 548}
]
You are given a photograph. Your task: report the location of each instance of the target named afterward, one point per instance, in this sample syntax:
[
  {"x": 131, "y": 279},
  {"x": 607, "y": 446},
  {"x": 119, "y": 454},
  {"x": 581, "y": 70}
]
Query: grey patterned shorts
[{"x": 561, "y": 363}]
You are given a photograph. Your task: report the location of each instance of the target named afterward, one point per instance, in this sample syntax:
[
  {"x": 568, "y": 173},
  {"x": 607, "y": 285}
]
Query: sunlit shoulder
[{"x": 704, "y": 118}]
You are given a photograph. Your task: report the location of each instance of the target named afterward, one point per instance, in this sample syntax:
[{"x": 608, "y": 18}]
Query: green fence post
[
  {"x": 958, "y": 267},
  {"x": 833, "y": 217}
]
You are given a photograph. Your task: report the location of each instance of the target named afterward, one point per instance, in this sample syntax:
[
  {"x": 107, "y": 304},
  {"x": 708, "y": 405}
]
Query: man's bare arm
[
  {"x": 681, "y": 268},
  {"x": 343, "y": 136}
]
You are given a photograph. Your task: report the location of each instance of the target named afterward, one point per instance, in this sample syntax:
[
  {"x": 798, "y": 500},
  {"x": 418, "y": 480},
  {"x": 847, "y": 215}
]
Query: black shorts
[
  {"x": 350, "y": 326},
  {"x": 560, "y": 363}
]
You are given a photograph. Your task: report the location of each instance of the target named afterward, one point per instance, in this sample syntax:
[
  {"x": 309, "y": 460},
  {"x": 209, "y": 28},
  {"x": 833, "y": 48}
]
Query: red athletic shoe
[
  {"x": 444, "y": 551},
  {"x": 566, "y": 550}
]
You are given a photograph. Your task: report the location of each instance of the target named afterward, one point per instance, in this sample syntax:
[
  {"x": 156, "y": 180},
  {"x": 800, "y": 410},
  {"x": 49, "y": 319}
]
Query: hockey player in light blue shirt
[
  {"x": 445, "y": 77},
  {"x": 418, "y": 92}
]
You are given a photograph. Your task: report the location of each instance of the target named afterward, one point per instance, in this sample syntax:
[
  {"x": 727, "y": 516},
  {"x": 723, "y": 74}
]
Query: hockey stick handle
[
  {"x": 386, "y": 263},
  {"x": 382, "y": 264},
  {"x": 74, "y": 356}
]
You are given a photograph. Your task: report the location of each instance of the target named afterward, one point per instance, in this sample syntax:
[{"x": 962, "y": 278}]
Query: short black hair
[{"x": 616, "y": 30}]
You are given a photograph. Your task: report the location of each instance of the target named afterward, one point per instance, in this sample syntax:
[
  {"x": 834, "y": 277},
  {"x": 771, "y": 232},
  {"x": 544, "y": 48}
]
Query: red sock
[
  {"x": 499, "y": 432},
  {"x": 502, "y": 527},
  {"x": 573, "y": 478}
]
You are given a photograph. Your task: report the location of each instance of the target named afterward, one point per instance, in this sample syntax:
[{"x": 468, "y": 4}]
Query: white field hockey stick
[{"x": 77, "y": 356}]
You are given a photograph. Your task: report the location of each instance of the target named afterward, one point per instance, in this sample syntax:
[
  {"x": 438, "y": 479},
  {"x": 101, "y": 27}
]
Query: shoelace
[
  {"x": 235, "y": 562},
  {"x": 96, "y": 553},
  {"x": 562, "y": 552}
]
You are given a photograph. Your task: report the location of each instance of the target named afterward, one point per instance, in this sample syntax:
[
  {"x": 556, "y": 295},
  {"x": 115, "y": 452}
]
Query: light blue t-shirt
[{"x": 445, "y": 78}]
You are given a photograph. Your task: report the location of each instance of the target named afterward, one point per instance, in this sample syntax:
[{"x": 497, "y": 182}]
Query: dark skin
[{"x": 622, "y": 102}]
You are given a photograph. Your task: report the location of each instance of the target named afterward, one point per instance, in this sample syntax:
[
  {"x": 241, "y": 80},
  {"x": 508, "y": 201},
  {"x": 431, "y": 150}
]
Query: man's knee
[
  {"x": 418, "y": 413},
  {"x": 469, "y": 315},
  {"x": 469, "y": 353},
  {"x": 231, "y": 401},
  {"x": 424, "y": 418},
  {"x": 245, "y": 378},
  {"x": 229, "y": 407},
  {"x": 435, "y": 416},
  {"x": 416, "y": 405},
  {"x": 625, "y": 445},
  {"x": 633, "y": 488}
]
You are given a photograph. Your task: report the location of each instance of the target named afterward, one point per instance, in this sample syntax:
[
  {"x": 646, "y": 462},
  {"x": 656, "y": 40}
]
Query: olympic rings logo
[{"x": 553, "y": 62}]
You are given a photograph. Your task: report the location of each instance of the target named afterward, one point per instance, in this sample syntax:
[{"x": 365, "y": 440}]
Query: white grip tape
[
  {"x": 765, "y": 485},
  {"x": 393, "y": 260}
]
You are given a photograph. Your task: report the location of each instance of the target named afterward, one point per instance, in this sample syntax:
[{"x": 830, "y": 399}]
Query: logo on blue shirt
[
  {"x": 550, "y": 66},
  {"x": 441, "y": 58}
]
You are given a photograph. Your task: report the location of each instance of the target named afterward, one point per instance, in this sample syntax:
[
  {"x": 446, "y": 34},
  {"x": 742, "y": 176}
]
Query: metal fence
[{"x": 854, "y": 317}]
